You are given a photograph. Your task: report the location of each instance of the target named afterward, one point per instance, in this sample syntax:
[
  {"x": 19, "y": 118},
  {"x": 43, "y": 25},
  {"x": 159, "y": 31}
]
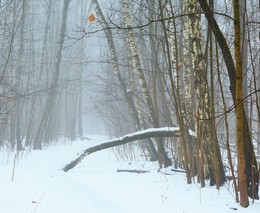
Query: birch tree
[
  {"x": 174, "y": 75},
  {"x": 203, "y": 109},
  {"x": 162, "y": 156},
  {"x": 129, "y": 96}
]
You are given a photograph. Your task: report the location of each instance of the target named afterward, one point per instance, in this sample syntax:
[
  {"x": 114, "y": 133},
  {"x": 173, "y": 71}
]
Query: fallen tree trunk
[
  {"x": 83, "y": 138},
  {"x": 132, "y": 171},
  {"x": 177, "y": 170},
  {"x": 144, "y": 134}
]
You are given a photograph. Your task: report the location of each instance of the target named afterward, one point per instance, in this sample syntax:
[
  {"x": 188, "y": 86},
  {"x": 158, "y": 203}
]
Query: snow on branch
[{"x": 140, "y": 135}]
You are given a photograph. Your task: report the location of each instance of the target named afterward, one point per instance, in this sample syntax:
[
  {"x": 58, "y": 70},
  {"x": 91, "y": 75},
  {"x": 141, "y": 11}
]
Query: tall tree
[
  {"x": 162, "y": 155},
  {"x": 129, "y": 96},
  {"x": 50, "y": 104},
  {"x": 36, "y": 99},
  {"x": 174, "y": 75},
  {"x": 242, "y": 183},
  {"x": 203, "y": 109}
]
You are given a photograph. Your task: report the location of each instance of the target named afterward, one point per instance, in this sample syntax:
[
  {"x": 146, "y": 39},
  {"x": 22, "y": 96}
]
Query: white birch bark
[
  {"x": 172, "y": 49},
  {"x": 201, "y": 87},
  {"x": 130, "y": 41},
  {"x": 188, "y": 73},
  {"x": 113, "y": 57},
  {"x": 132, "y": 46},
  {"x": 130, "y": 95}
]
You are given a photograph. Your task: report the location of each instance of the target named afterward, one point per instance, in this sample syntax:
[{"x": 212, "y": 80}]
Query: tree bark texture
[
  {"x": 202, "y": 95},
  {"x": 242, "y": 183}
]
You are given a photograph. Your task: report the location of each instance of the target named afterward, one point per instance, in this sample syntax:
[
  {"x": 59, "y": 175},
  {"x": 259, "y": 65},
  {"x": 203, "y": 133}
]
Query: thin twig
[
  {"x": 38, "y": 203},
  {"x": 14, "y": 161}
]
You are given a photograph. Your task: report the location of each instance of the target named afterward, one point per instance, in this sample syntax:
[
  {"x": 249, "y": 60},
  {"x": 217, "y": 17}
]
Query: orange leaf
[{"x": 91, "y": 18}]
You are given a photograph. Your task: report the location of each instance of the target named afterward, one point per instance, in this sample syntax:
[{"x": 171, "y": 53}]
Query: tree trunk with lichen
[
  {"x": 187, "y": 88},
  {"x": 203, "y": 108}
]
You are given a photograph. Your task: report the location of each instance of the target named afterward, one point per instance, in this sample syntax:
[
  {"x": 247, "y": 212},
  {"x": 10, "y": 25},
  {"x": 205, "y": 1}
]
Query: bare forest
[{"x": 182, "y": 76}]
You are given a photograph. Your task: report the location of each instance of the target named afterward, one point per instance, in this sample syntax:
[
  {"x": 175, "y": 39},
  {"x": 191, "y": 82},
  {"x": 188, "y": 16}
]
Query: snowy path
[{"x": 94, "y": 186}]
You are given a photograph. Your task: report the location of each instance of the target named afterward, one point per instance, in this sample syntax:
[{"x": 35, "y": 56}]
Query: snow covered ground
[{"x": 95, "y": 186}]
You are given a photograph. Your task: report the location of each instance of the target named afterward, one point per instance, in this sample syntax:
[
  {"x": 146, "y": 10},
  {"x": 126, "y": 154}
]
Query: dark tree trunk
[{"x": 252, "y": 172}]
